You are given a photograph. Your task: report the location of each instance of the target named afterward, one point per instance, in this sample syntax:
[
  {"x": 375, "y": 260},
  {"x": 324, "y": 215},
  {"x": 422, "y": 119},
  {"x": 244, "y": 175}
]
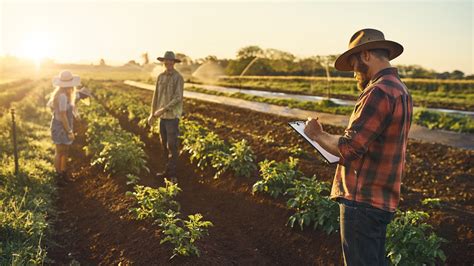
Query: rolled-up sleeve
[{"x": 368, "y": 121}]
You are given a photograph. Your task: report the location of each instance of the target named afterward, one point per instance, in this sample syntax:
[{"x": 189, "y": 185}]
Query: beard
[{"x": 361, "y": 75}]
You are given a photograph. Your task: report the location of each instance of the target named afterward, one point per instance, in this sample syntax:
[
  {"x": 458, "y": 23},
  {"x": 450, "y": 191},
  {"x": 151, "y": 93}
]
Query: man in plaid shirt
[{"x": 372, "y": 149}]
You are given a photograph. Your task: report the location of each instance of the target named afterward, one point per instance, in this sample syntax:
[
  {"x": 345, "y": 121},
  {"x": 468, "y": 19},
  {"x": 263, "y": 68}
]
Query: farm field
[
  {"x": 89, "y": 218},
  {"x": 451, "y": 94},
  {"x": 236, "y": 133}
]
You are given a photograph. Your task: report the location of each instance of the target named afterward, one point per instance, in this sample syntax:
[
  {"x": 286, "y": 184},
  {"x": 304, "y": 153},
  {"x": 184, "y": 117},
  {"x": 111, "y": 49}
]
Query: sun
[{"x": 36, "y": 46}]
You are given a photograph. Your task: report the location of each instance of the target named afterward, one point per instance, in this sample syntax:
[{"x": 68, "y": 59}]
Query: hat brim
[
  {"x": 394, "y": 50},
  {"x": 161, "y": 59},
  {"x": 76, "y": 81}
]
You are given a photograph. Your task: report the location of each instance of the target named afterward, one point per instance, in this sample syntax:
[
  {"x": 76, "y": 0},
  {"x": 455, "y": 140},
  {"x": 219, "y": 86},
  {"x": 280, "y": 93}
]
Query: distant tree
[
  {"x": 250, "y": 52},
  {"x": 212, "y": 58},
  {"x": 102, "y": 62},
  {"x": 444, "y": 75},
  {"x": 274, "y": 54},
  {"x": 457, "y": 74}
]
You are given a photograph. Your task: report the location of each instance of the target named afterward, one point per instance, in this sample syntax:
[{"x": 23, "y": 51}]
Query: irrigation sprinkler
[{"x": 245, "y": 70}]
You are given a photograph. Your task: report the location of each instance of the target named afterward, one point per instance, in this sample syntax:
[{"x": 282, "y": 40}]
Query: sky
[{"x": 437, "y": 35}]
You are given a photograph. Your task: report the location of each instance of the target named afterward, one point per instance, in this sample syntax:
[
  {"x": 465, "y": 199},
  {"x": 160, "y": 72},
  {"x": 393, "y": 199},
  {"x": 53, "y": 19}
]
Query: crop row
[
  {"x": 26, "y": 199},
  {"x": 458, "y": 94},
  {"x": 422, "y": 117},
  {"x": 117, "y": 151}
]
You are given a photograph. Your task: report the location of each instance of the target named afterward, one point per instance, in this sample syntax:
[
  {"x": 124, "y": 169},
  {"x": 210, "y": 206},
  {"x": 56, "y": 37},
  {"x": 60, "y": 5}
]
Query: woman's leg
[
  {"x": 57, "y": 159},
  {"x": 64, "y": 158}
]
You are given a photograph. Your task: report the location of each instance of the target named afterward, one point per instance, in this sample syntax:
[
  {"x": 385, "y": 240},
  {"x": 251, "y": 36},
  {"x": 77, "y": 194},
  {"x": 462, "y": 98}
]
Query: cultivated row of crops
[
  {"x": 457, "y": 94},
  {"x": 26, "y": 199},
  {"x": 117, "y": 151},
  {"x": 422, "y": 117}
]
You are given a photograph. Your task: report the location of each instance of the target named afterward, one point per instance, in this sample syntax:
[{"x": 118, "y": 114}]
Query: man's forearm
[
  {"x": 172, "y": 103},
  {"x": 328, "y": 142},
  {"x": 153, "y": 103}
]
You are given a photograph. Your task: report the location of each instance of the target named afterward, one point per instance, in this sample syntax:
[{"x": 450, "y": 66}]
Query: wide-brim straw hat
[
  {"x": 66, "y": 79},
  {"x": 169, "y": 55},
  {"x": 367, "y": 39}
]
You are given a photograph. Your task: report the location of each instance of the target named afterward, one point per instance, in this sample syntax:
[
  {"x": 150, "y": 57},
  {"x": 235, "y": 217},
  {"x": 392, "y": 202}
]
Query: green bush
[
  {"x": 277, "y": 177},
  {"x": 183, "y": 234},
  {"x": 122, "y": 157},
  {"x": 154, "y": 203},
  {"x": 309, "y": 197},
  {"x": 409, "y": 241},
  {"x": 159, "y": 206},
  {"x": 438, "y": 120}
]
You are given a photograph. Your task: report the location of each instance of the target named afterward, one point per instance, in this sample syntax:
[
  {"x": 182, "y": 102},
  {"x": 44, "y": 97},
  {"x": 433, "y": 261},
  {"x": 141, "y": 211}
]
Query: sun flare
[{"x": 36, "y": 46}]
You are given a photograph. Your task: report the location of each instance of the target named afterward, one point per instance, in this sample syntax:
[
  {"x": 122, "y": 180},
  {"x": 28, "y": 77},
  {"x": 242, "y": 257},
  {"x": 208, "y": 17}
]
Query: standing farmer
[
  {"x": 372, "y": 148},
  {"x": 62, "y": 105},
  {"x": 167, "y": 105}
]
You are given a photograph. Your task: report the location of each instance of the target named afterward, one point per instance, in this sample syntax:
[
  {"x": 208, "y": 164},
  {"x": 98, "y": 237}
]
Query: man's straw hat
[{"x": 367, "y": 39}]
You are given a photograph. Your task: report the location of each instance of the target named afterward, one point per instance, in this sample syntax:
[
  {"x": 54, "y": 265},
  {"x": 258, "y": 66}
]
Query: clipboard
[{"x": 299, "y": 126}]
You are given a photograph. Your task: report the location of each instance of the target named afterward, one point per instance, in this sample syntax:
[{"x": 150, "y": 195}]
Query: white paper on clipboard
[{"x": 299, "y": 126}]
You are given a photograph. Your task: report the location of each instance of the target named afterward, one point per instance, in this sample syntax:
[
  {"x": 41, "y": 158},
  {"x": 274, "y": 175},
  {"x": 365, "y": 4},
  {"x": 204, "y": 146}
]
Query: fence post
[{"x": 15, "y": 148}]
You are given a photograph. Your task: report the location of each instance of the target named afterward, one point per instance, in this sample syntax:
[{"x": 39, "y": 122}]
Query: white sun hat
[{"x": 66, "y": 79}]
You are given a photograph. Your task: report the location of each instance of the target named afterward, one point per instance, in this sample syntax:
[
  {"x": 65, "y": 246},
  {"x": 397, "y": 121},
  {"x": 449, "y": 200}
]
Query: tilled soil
[{"x": 94, "y": 227}]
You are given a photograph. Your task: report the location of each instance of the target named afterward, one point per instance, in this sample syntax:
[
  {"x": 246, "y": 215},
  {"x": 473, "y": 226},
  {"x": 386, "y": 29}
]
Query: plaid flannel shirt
[
  {"x": 373, "y": 147},
  {"x": 169, "y": 94}
]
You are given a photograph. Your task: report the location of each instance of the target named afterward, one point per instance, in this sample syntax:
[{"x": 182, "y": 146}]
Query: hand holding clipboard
[{"x": 299, "y": 126}]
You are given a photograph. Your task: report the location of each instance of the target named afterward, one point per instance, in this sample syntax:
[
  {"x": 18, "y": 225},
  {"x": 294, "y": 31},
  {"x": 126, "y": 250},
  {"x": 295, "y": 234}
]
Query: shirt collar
[
  {"x": 171, "y": 72},
  {"x": 383, "y": 72}
]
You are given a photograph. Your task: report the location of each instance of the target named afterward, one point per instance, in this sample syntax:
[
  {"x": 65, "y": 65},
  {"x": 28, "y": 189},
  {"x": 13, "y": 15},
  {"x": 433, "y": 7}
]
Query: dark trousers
[
  {"x": 363, "y": 230},
  {"x": 169, "y": 132}
]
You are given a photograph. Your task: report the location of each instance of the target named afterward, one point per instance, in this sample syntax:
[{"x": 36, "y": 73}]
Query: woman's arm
[{"x": 64, "y": 121}]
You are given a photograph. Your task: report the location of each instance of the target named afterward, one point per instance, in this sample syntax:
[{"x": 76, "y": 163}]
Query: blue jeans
[
  {"x": 169, "y": 132},
  {"x": 363, "y": 230}
]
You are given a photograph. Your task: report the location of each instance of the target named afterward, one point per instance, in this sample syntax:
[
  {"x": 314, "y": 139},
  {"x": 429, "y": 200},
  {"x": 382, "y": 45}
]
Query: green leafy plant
[
  {"x": 242, "y": 158},
  {"x": 154, "y": 203},
  {"x": 132, "y": 179},
  {"x": 438, "y": 120},
  {"x": 183, "y": 234},
  {"x": 122, "y": 157},
  {"x": 431, "y": 202},
  {"x": 277, "y": 177},
  {"x": 208, "y": 149},
  {"x": 409, "y": 241},
  {"x": 160, "y": 206},
  {"x": 309, "y": 198}
]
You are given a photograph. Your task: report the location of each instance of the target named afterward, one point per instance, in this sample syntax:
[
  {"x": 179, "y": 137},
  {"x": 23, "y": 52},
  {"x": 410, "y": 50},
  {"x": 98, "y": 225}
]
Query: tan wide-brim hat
[
  {"x": 66, "y": 79},
  {"x": 367, "y": 39},
  {"x": 169, "y": 55}
]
